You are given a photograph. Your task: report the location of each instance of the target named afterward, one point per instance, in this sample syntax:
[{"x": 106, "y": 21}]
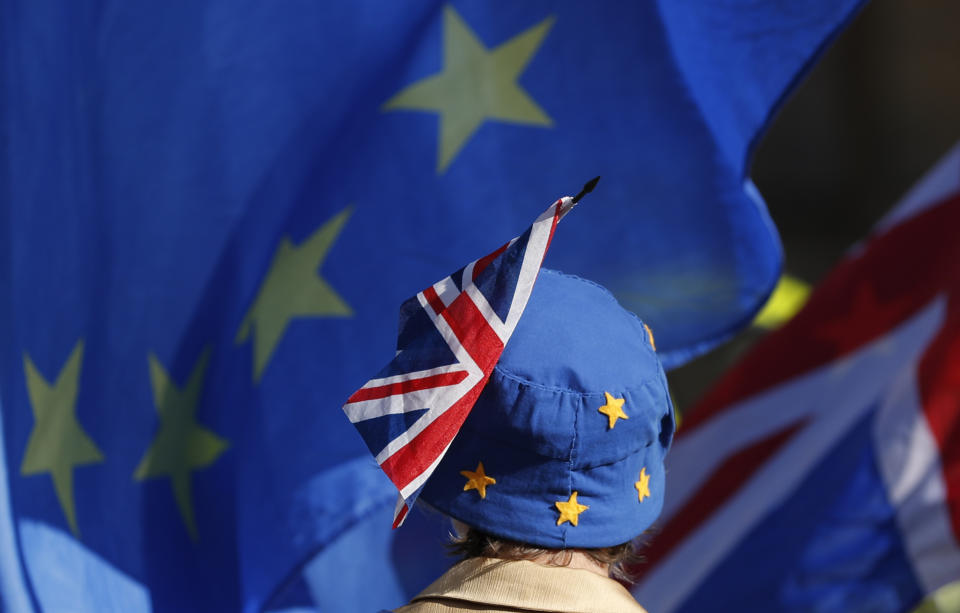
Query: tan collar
[{"x": 529, "y": 586}]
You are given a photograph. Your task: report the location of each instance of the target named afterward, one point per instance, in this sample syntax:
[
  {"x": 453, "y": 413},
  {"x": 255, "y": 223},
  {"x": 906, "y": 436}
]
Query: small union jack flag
[{"x": 451, "y": 336}]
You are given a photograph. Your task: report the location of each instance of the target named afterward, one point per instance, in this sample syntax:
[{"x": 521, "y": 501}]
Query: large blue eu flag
[{"x": 210, "y": 211}]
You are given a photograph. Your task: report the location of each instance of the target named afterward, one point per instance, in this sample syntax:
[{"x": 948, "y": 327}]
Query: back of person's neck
[{"x": 572, "y": 559}]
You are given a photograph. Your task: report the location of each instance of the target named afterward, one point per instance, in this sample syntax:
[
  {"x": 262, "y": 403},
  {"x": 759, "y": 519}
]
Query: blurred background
[
  {"x": 878, "y": 110},
  {"x": 176, "y": 177}
]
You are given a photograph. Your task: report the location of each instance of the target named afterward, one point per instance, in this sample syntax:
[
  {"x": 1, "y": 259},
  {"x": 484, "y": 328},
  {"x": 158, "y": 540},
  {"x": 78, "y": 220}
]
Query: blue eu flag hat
[
  {"x": 525, "y": 402},
  {"x": 565, "y": 445}
]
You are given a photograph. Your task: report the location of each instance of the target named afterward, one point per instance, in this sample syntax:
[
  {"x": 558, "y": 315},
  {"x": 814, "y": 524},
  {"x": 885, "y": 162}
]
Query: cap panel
[
  {"x": 616, "y": 514},
  {"x": 518, "y": 412},
  {"x": 598, "y": 443},
  {"x": 575, "y": 336},
  {"x": 519, "y": 506}
]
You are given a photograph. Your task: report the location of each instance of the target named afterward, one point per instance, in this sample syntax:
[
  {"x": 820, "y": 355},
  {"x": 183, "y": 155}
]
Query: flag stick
[{"x": 587, "y": 188}]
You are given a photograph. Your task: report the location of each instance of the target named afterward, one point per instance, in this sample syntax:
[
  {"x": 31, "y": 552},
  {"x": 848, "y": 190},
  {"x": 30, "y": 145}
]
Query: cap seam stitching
[
  {"x": 550, "y": 388},
  {"x": 638, "y": 452},
  {"x": 570, "y": 462},
  {"x": 671, "y": 411}
]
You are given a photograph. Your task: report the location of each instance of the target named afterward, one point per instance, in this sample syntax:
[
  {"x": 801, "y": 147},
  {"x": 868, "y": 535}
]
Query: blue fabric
[
  {"x": 380, "y": 559},
  {"x": 835, "y": 547},
  {"x": 538, "y": 431},
  {"x": 158, "y": 160},
  {"x": 13, "y": 588}
]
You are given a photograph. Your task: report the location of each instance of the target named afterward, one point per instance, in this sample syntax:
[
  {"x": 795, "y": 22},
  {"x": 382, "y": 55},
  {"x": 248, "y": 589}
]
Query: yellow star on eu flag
[
  {"x": 570, "y": 510},
  {"x": 58, "y": 444},
  {"x": 292, "y": 288},
  {"x": 181, "y": 445},
  {"x": 613, "y": 409},
  {"x": 475, "y": 85},
  {"x": 477, "y": 480}
]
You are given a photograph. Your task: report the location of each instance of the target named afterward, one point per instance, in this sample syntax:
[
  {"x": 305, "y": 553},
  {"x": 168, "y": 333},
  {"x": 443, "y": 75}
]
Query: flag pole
[{"x": 587, "y": 188}]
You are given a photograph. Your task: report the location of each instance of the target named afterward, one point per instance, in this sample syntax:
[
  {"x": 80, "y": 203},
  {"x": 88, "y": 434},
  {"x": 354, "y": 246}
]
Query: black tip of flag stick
[{"x": 587, "y": 188}]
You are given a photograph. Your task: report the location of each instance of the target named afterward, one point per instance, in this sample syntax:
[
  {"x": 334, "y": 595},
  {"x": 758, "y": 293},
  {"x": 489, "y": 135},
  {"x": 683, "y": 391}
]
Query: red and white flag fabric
[
  {"x": 451, "y": 336},
  {"x": 823, "y": 472}
]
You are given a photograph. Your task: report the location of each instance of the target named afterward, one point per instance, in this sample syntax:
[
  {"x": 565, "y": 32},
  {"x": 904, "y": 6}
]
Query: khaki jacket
[{"x": 486, "y": 585}]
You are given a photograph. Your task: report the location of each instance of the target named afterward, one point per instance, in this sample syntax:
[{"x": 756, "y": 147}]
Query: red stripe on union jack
[
  {"x": 410, "y": 413},
  {"x": 410, "y": 385}
]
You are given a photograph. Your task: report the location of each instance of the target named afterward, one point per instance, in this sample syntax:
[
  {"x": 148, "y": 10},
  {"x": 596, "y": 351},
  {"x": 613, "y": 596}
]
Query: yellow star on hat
[
  {"x": 613, "y": 409},
  {"x": 643, "y": 485},
  {"x": 653, "y": 345},
  {"x": 570, "y": 510},
  {"x": 477, "y": 480}
]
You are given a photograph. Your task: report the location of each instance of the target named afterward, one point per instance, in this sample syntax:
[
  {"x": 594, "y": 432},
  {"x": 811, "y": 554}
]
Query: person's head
[{"x": 564, "y": 448}]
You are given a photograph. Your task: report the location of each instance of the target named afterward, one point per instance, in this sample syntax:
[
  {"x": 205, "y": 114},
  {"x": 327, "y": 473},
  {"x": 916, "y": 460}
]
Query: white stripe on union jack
[{"x": 410, "y": 414}]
